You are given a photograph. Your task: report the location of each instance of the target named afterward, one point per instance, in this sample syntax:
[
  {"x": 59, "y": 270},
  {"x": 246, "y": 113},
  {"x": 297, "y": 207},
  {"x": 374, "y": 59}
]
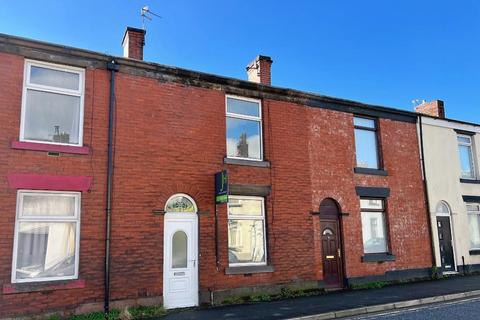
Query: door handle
[
  {"x": 193, "y": 260},
  {"x": 339, "y": 253}
]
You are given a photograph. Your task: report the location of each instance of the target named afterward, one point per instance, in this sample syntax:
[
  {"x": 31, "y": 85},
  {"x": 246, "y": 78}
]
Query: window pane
[
  {"x": 366, "y": 149},
  {"x": 442, "y": 208},
  {"x": 474, "y": 225},
  {"x": 52, "y": 117},
  {"x": 371, "y": 204},
  {"x": 180, "y": 204},
  {"x": 247, "y": 207},
  {"x": 373, "y": 232},
  {"x": 45, "y": 250},
  {"x": 242, "y": 107},
  {"x": 48, "y": 205},
  {"x": 54, "y": 78},
  {"x": 473, "y": 207},
  {"x": 369, "y": 123},
  {"x": 246, "y": 241},
  {"x": 243, "y": 138},
  {"x": 465, "y": 140},
  {"x": 179, "y": 250},
  {"x": 466, "y": 161}
]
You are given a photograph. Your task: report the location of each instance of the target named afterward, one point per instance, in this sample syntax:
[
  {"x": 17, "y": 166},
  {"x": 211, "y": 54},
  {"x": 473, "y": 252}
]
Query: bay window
[{"x": 46, "y": 236}]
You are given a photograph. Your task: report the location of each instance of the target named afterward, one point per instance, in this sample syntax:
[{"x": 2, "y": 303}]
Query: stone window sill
[
  {"x": 374, "y": 172},
  {"x": 43, "y": 286},
  {"x": 34, "y": 146},
  {"x": 378, "y": 257},
  {"x": 474, "y": 252},
  {"x": 249, "y": 269},
  {"x": 245, "y": 162}
]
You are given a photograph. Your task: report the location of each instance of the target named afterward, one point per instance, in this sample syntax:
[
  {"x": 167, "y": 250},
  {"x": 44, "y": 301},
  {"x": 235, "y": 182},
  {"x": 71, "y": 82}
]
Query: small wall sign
[{"x": 221, "y": 187}]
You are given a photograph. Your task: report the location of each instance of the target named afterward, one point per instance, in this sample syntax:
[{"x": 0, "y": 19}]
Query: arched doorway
[
  {"x": 445, "y": 237},
  {"x": 180, "y": 252},
  {"x": 331, "y": 237}
]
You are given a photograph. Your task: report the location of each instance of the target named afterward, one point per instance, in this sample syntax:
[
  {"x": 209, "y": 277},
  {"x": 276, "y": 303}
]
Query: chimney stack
[
  {"x": 433, "y": 108},
  {"x": 259, "y": 70},
  {"x": 133, "y": 42}
]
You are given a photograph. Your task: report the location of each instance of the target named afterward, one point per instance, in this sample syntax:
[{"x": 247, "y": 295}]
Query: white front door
[{"x": 180, "y": 260}]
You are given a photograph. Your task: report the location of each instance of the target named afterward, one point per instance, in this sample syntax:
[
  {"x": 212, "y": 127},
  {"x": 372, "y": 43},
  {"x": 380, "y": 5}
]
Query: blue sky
[{"x": 381, "y": 52}]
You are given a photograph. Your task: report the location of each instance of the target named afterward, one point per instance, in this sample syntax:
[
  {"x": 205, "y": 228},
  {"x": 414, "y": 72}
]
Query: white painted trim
[
  {"x": 472, "y": 212},
  {"x": 76, "y": 219},
  {"x": 78, "y": 93},
  {"x": 244, "y": 117},
  {"x": 244, "y": 217},
  {"x": 471, "y": 146}
]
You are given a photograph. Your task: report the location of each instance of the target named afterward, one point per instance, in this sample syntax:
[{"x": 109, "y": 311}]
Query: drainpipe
[
  {"x": 425, "y": 186},
  {"x": 112, "y": 67}
]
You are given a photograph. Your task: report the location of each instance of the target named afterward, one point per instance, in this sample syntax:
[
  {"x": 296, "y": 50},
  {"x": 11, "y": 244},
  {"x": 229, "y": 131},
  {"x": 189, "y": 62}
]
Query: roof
[{"x": 80, "y": 57}]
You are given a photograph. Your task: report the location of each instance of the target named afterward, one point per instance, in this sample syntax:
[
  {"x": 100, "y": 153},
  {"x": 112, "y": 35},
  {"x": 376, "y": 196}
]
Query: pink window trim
[
  {"x": 35, "y": 146},
  {"x": 48, "y": 182},
  {"x": 42, "y": 286}
]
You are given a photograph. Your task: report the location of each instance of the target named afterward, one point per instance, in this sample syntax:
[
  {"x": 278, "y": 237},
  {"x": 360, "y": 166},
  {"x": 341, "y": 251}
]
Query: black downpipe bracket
[{"x": 112, "y": 67}]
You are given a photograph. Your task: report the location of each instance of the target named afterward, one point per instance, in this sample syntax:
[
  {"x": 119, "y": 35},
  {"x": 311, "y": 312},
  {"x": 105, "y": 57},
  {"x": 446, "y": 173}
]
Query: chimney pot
[
  {"x": 133, "y": 42},
  {"x": 259, "y": 70},
  {"x": 433, "y": 108}
]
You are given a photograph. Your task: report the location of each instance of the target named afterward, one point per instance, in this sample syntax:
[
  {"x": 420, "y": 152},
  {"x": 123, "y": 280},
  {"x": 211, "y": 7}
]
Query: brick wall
[
  {"x": 25, "y": 161},
  {"x": 170, "y": 138}
]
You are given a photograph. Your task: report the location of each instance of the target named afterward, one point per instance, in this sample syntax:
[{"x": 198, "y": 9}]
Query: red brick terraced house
[{"x": 107, "y": 189}]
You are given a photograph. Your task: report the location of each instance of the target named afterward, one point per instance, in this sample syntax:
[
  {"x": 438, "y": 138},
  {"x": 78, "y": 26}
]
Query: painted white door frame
[{"x": 180, "y": 282}]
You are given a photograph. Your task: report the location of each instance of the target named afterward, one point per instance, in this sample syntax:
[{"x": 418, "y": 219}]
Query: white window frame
[
  {"x": 40, "y": 219},
  {"x": 383, "y": 211},
  {"x": 244, "y": 117},
  {"x": 473, "y": 212},
  {"x": 245, "y": 217},
  {"x": 43, "y": 88},
  {"x": 472, "y": 160}
]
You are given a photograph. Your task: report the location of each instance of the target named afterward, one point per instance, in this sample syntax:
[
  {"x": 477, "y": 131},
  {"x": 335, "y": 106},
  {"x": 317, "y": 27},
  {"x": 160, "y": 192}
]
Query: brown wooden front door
[{"x": 331, "y": 253}]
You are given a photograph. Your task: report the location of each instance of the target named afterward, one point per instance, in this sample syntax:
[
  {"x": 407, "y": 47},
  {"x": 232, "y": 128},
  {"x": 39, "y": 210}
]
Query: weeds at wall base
[{"x": 130, "y": 313}]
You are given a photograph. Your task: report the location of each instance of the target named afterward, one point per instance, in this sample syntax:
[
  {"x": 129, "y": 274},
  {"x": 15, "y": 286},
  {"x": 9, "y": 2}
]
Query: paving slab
[{"x": 336, "y": 302}]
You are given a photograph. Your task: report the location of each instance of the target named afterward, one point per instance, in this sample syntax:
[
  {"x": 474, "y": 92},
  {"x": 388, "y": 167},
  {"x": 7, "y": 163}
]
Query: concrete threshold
[{"x": 388, "y": 306}]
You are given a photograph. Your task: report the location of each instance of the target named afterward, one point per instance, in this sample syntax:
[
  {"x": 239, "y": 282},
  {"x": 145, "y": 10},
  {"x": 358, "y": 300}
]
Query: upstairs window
[
  {"x": 366, "y": 147},
  {"x": 52, "y": 106},
  {"x": 244, "y": 128},
  {"x": 373, "y": 226},
  {"x": 467, "y": 170}
]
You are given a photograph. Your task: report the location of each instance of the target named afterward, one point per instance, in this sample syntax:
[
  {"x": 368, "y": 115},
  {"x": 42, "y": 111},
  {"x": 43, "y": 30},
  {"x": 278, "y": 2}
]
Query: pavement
[
  {"x": 467, "y": 309},
  {"x": 341, "y": 303}
]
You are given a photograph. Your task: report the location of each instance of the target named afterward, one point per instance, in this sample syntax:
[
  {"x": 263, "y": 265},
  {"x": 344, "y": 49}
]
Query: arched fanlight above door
[
  {"x": 443, "y": 209},
  {"x": 180, "y": 203}
]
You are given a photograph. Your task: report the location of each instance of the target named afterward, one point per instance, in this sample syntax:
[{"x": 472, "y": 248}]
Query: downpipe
[{"x": 113, "y": 68}]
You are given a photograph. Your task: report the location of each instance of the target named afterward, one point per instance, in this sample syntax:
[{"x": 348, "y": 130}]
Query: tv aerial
[{"x": 146, "y": 13}]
